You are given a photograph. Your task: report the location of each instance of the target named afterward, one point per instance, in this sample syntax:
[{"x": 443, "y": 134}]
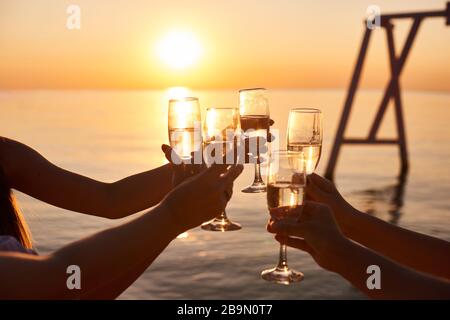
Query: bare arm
[
  {"x": 29, "y": 172},
  {"x": 396, "y": 281},
  {"x": 418, "y": 251},
  {"x": 101, "y": 258},
  {"x": 114, "y": 288},
  {"x": 111, "y": 260},
  {"x": 317, "y": 233}
]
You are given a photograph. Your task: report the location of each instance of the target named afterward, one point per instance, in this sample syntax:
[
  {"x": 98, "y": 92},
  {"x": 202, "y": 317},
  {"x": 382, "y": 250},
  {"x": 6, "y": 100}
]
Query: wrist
[
  {"x": 345, "y": 215},
  {"x": 170, "y": 219},
  {"x": 341, "y": 255}
]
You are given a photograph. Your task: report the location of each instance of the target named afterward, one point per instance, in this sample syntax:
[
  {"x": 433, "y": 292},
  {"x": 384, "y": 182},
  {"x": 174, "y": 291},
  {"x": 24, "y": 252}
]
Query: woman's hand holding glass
[
  {"x": 202, "y": 197},
  {"x": 316, "y": 232},
  {"x": 324, "y": 191},
  {"x": 181, "y": 170}
]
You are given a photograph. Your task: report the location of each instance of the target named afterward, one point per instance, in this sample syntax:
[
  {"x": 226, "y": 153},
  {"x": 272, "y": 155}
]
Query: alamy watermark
[
  {"x": 74, "y": 279},
  {"x": 373, "y": 17},
  {"x": 225, "y": 147},
  {"x": 374, "y": 280},
  {"x": 74, "y": 17}
]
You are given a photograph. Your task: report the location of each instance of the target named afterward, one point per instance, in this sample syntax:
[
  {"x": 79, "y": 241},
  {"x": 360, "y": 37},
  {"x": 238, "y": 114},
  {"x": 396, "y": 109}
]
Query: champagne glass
[
  {"x": 304, "y": 134},
  {"x": 286, "y": 180},
  {"x": 254, "y": 112},
  {"x": 185, "y": 134},
  {"x": 219, "y": 137}
]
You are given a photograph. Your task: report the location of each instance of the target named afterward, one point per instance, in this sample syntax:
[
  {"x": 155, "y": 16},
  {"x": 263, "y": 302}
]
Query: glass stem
[
  {"x": 258, "y": 178},
  {"x": 223, "y": 215},
  {"x": 282, "y": 263}
]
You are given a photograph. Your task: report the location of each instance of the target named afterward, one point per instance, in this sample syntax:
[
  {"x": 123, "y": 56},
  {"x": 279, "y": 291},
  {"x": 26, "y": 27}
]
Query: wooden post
[
  {"x": 348, "y": 105},
  {"x": 392, "y": 91}
]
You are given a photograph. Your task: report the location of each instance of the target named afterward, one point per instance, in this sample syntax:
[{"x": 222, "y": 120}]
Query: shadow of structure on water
[{"x": 387, "y": 199}]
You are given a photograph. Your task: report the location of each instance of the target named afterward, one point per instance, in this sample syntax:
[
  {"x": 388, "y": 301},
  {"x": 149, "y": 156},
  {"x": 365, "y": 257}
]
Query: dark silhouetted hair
[{"x": 12, "y": 221}]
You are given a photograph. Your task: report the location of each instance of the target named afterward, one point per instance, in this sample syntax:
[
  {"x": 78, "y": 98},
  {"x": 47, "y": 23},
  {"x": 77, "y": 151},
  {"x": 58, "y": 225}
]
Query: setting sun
[{"x": 179, "y": 49}]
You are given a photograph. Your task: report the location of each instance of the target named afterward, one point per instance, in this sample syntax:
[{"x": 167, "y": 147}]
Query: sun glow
[
  {"x": 210, "y": 121},
  {"x": 179, "y": 49},
  {"x": 177, "y": 93}
]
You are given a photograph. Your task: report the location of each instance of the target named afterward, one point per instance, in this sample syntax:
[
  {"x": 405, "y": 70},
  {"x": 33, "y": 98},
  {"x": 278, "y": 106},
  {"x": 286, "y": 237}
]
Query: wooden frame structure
[{"x": 392, "y": 90}]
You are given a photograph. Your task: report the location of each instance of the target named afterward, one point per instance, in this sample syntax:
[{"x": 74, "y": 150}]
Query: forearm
[
  {"x": 396, "y": 282},
  {"x": 139, "y": 192},
  {"x": 416, "y": 250},
  {"x": 112, "y": 253},
  {"x": 103, "y": 257},
  {"x": 117, "y": 286},
  {"x": 29, "y": 172}
]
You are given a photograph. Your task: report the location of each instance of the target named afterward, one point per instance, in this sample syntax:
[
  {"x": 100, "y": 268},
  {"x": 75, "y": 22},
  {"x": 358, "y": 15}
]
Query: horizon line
[{"x": 208, "y": 89}]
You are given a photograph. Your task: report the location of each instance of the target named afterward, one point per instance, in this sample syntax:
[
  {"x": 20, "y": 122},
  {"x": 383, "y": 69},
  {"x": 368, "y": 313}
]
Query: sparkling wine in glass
[
  {"x": 304, "y": 134},
  {"x": 185, "y": 134},
  {"x": 255, "y": 118},
  {"x": 219, "y": 138},
  {"x": 286, "y": 181}
]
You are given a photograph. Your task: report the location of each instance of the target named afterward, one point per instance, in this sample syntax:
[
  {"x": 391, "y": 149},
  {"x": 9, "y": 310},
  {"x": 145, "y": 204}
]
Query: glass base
[
  {"x": 221, "y": 224},
  {"x": 256, "y": 187},
  {"x": 282, "y": 275},
  {"x": 183, "y": 235}
]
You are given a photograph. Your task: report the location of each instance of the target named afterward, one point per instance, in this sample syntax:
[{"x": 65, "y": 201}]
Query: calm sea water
[{"x": 108, "y": 135}]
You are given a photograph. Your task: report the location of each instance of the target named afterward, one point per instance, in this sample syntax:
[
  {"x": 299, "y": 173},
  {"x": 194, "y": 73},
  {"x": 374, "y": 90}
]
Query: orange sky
[{"x": 282, "y": 43}]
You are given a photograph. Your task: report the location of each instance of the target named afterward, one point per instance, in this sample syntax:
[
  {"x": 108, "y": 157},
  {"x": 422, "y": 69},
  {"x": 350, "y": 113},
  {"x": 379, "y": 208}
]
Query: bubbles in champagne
[
  {"x": 184, "y": 141},
  {"x": 311, "y": 154},
  {"x": 282, "y": 197}
]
